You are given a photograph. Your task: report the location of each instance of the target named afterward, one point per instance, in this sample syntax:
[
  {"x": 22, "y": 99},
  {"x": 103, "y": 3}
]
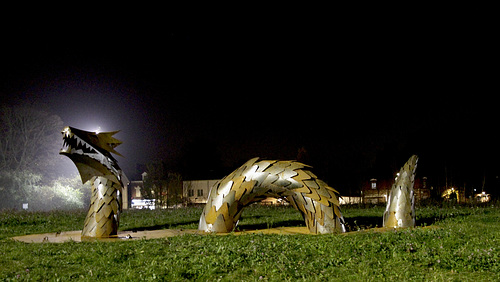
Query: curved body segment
[{"x": 257, "y": 180}]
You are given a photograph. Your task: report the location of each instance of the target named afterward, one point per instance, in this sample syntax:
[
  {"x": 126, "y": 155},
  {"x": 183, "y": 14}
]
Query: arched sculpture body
[
  {"x": 257, "y": 180},
  {"x": 400, "y": 211},
  {"x": 91, "y": 153}
]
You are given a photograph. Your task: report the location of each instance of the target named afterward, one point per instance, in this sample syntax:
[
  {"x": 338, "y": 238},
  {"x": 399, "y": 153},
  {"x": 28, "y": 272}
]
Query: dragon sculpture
[
  {"x": 257, "y": 180},
  {"x": 91, "y": 153},
  {"x": 253, "y": 181},
  {"x": 400, "y": 211}
]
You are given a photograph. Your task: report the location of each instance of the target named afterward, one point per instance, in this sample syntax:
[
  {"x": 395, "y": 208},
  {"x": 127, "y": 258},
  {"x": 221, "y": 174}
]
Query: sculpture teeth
[
  {"x": 73, "y": 144},
  {"x": 78, "y": 141}
]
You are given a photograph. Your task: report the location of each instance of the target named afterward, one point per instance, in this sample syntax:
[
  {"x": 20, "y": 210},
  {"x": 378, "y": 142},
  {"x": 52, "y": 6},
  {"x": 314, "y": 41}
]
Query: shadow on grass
[
  {"x": 430, "y": 220},
  {"x": 362, "y": 222},
  {"x": 162, "y": 226},
  {"x": 271, "y": 224},
  {"x": 367, "y": 222},
  {"x": 351, "y": 223}
]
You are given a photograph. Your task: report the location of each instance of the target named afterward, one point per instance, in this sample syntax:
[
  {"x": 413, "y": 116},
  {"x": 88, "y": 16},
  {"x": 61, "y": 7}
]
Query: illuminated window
[
  {"x": 137, "y": 191},
  {"x": 373, "y": 183}
]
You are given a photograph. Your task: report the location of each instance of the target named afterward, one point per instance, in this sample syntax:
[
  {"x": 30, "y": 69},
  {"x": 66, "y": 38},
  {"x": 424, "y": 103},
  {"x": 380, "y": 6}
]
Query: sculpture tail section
[
  {"x": 104, "y": 211},
  {"x": 255, "y": 181},
  {"x": 400, "y": 211}
]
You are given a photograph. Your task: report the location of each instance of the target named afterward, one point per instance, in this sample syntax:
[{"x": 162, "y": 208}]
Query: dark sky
[{"x": 359, "y": 94}]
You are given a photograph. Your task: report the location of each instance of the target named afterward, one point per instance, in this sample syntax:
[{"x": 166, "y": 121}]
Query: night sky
[{"x": 359, "y": 95}]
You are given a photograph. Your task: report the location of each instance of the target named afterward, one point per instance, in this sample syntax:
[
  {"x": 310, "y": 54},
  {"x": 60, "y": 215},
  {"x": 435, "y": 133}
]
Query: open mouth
[{"x": 72, "y": 144}]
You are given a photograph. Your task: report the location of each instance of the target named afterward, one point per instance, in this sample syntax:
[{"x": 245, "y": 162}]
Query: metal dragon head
[{"x": 91, "y": 153}]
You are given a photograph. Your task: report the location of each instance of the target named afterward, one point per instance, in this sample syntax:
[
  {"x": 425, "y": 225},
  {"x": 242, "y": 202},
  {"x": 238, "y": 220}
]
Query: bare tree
[
  {"x": 175, "y": 188},
  {"x": 30, "y": 139},
  {"x": 155, "y": 184},
  {"x": 163, "y": 186},
  {"x": 29, "y": 144}
]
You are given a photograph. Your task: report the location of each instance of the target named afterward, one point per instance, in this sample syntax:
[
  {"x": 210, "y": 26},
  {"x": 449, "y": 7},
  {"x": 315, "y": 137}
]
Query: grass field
[{"x": 464, "y": 247}]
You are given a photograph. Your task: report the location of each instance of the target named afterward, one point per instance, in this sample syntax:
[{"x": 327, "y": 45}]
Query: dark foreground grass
[{"x": 465, "y": 247}]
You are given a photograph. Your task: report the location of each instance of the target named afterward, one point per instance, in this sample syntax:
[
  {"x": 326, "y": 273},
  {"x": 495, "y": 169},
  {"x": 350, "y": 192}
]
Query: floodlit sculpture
[
  {"x": 400, "y": 211},
  {"x": 91, "y": 153},
  {"x": 257, "y": 180}
]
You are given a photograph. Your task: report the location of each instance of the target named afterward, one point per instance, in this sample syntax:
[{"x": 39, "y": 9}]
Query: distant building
[
  {"x": 271, "y": 201},
  {"x": 350, "y": 200},
  {"x": 193, "y": 192},
  {"x": 422, "y": 189},
  {"x": 196, "y": 191},
  {"x": 375, "y": 191},
  {"x": 137, "y": 200}
]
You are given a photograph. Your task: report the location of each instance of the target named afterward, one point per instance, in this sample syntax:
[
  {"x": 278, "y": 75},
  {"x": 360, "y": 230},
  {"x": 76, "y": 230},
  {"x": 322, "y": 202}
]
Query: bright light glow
[
  {"x": 448, "y": 192},
  {"x": 98, "y": 130},
  {"x": 483, "y": 197}
]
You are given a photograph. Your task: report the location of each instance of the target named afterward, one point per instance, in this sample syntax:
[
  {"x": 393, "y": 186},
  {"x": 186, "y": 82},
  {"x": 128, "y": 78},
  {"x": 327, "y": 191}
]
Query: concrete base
[{"x": 75, "y": 236}]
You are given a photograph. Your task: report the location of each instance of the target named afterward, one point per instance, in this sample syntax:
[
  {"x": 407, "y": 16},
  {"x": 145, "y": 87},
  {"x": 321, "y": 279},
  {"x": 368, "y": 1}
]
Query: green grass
[{"x": 465, "y": 247}]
